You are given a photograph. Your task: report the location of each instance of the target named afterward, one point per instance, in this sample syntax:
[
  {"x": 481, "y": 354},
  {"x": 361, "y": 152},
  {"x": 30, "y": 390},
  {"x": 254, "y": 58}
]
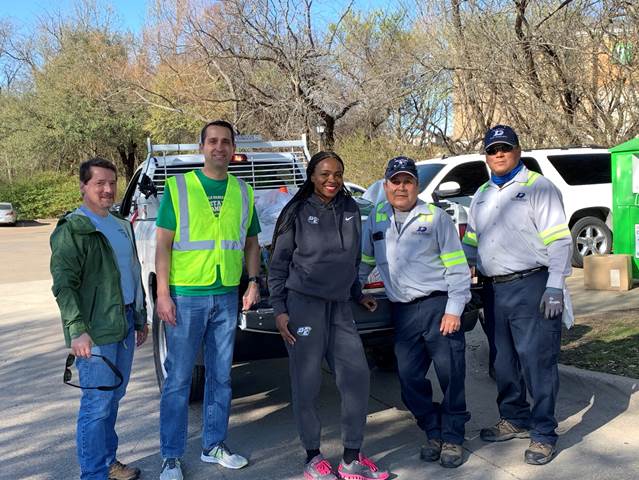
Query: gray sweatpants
[{"x": 326, "y": 329}]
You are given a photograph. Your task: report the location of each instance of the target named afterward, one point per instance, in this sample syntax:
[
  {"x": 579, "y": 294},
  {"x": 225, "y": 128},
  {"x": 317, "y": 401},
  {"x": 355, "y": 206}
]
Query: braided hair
[{"x": 287, "y": 217}]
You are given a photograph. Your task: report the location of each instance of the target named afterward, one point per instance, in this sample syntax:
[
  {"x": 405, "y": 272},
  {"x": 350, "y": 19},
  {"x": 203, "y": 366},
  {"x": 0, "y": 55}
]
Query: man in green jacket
[{"x": 98, "y": 288}]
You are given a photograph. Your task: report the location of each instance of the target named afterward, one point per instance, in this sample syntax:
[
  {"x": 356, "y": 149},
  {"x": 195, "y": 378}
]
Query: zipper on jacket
[{"x": 337, "y": 225}]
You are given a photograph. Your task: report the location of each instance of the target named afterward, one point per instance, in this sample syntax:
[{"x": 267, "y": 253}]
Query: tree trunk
[{"x": 127, "y": 157}]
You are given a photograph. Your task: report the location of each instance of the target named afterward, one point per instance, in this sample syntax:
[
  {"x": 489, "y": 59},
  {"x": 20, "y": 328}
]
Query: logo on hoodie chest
[{"x": 313, "y": 220}]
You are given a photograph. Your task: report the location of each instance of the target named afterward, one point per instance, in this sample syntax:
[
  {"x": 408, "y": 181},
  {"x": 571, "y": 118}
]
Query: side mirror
[{"x": 447, "y": 189}]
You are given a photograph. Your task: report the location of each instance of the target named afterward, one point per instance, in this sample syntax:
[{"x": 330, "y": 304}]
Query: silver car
[{"x": 8, "y": 214}]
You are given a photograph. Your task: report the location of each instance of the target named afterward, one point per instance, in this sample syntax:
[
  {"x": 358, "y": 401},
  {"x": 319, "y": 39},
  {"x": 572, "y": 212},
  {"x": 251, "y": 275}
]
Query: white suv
[{"x": 582, "y": 175}]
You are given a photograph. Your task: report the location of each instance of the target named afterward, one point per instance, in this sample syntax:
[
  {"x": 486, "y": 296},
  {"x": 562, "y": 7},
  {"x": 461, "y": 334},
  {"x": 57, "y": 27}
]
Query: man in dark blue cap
[
  {"x": 417, "y": 251},
  {"x": 519, "y": 240}
]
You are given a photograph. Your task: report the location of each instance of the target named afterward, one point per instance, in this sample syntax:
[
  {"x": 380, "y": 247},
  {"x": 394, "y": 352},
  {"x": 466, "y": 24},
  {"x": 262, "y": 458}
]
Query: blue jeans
[
  {"x": 97, "y": 441},
  {"x": 211, "y": 319}
]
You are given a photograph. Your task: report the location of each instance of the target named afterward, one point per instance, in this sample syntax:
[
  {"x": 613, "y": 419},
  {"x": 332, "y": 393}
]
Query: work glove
[{"x": 552, "y": 302}]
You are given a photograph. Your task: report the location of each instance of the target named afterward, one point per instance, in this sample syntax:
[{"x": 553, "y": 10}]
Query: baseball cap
[
  {"x": 400, "y": 165},
  {"x": 501, "y": 134}
]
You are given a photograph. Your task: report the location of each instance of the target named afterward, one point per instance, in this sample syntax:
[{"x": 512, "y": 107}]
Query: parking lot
[{"x": 598, "y": 413}]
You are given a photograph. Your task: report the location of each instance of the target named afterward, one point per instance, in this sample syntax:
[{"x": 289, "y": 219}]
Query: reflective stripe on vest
[
  {"x": 185, "y": 244},
  {"x": 206, "y": 244}
]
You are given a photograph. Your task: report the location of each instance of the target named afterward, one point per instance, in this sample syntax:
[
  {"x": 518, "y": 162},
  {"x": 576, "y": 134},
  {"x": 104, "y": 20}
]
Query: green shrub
[{"x": 43, "y": 195}]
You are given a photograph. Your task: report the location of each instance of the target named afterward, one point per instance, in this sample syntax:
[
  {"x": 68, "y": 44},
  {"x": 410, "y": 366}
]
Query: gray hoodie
[{"x": 320, "y": 255}]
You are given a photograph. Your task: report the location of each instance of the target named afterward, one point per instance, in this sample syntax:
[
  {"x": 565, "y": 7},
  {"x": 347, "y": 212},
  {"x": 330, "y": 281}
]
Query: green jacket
[{"x": 86, "y": 281}]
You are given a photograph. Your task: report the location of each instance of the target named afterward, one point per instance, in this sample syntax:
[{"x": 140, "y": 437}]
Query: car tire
[
  {"x": 196, "y": 392},
  {"x": 159, "y": 349},
  {"x": 590, "y": 236}
]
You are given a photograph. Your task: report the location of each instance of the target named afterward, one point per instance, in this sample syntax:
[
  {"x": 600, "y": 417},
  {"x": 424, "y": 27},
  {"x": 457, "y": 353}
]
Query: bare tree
[{"x": 550, "y": 68}]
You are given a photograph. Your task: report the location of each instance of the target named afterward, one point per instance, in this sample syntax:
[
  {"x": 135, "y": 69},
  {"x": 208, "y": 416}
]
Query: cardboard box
[{"x": 608, "y": 272}]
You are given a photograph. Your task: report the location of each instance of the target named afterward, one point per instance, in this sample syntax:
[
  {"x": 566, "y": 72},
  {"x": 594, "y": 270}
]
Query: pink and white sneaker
[
  {"x": 319, "y": 469},
  {"x": 361, "y": 469}
]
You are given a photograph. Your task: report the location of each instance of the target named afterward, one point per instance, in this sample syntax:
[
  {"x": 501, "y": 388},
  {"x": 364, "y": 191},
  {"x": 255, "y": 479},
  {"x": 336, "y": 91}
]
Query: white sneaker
[
  {"x": 222, "y": 455},
  {"x": 171, "y": 469}
]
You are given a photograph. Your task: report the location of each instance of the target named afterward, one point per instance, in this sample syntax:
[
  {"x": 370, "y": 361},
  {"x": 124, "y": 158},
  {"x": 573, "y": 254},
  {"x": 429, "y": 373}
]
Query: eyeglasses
[
  {"x": 500, "y": 147},
  {"x": 67, "y": 374}
]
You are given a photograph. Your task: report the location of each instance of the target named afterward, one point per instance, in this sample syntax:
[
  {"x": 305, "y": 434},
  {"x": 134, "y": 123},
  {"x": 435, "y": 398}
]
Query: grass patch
[{"x": 607, "y": 342}]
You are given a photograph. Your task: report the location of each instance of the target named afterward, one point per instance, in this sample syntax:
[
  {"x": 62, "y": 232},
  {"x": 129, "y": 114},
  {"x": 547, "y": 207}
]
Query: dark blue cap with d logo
[{"x": 400, "y": 165}]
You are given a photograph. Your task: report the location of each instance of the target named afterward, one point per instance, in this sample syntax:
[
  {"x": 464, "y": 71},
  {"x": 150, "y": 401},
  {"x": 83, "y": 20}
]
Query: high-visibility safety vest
[{"x": 204, "y": 241}]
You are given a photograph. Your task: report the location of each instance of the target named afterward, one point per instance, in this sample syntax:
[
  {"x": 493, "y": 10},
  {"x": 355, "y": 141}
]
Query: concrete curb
[{"x": 609, "y": 378}]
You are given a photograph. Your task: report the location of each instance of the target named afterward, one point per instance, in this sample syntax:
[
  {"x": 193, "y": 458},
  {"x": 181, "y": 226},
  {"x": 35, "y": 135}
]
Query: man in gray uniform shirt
[
  {"x": 518, "y": 237},
  {"x": 416, "y": 248}
]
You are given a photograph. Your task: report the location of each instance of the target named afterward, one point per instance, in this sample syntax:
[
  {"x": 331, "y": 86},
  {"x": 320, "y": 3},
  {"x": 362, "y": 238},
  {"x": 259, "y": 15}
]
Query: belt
[
  {"x": 436, "y": 293},
  {"x": 517, "y": 275}
]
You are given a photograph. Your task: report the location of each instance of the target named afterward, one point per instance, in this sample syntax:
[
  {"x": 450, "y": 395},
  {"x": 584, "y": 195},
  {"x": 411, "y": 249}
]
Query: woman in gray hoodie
[{"x": 312, "y": 278}]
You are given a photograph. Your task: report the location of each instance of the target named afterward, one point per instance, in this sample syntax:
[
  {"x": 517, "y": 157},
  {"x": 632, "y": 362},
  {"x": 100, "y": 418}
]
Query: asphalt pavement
[{"x": 598, "y": 413}]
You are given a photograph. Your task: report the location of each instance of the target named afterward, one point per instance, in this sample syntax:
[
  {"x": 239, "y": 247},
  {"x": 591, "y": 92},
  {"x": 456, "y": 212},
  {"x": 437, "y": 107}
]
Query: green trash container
[{"x": 625, "y": 201}]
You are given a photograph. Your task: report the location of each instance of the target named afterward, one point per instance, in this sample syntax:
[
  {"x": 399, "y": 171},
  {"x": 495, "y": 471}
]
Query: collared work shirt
[
  {"x": 423, "y": 257},
  {"x": 520, "y": 226}
]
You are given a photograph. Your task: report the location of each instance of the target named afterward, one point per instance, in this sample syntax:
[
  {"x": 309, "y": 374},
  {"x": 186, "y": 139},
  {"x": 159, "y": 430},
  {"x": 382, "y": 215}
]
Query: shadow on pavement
[{"x": 590, "y": 401}]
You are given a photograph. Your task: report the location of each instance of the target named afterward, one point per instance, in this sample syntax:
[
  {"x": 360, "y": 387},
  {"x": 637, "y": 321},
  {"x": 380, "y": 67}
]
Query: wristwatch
[{"x": 254, "y": 279}]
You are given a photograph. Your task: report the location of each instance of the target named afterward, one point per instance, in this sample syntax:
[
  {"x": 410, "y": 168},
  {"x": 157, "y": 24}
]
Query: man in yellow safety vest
[{"x": 206, "y": 227}]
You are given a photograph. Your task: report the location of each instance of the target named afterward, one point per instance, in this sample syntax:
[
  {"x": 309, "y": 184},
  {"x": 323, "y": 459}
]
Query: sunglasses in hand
[{"x": 67, "y": 374}]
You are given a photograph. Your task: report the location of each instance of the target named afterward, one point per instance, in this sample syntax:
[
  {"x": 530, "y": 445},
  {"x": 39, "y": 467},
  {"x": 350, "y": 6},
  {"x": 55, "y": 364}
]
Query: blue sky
[{"x": 131, "y": 13}]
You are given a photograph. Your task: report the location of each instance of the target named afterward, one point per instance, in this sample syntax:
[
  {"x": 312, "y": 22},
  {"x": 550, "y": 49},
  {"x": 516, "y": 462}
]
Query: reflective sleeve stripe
[
  {"x": 368, "y": 260},
  {"x": 453, "y": 258},
  {"x": 554, "y": 233},
  {"x": 470, "y": 238},
  {"x": 532, "y": 178}
]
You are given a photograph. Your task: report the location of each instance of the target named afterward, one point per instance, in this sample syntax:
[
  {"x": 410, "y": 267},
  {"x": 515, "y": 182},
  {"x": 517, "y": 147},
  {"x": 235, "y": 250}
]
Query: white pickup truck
[{"x": 275, "y": 170}]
